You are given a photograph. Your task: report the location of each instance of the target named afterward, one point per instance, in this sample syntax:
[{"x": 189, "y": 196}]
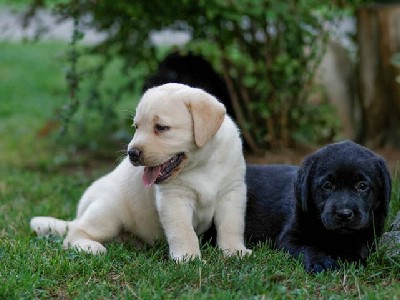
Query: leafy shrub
[{"x": 266, "y": 50}]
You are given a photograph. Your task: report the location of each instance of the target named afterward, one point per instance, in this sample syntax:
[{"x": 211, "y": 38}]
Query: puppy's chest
[
  {"x": 206, "y": 186},
  {"x": 202, "y": 197},
  {"x": 206, "y": 193}
]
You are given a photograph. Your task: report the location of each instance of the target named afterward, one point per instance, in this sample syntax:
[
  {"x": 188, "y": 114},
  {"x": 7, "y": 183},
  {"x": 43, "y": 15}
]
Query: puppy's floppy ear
[
  {"x": 302, "y": 184},
  {"x": 207, "y": 114},
  {"x": 386, "y": 185}
]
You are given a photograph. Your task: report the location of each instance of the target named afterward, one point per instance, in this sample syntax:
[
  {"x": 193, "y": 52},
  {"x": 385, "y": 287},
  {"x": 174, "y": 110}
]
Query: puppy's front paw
[
  {"x": 241, "y": 252},
  {"x": 320, "y": 263},
  {"x": 185, "y": 257},
  {"x": 86, "y": 245},
  {"x": 181, "y": 257}
]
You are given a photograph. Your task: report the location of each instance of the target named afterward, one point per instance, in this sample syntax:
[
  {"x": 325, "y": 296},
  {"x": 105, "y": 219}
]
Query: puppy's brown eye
[
  {"x": 328, "y": 186},
  {"x": 135, "y": 126},
  {"x": 161, "y": 128},
  {"x": 362, "y": 186}
]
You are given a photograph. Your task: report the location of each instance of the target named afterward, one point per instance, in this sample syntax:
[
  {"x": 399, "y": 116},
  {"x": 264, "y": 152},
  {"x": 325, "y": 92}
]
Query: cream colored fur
[{"x": 210, "y": 185}]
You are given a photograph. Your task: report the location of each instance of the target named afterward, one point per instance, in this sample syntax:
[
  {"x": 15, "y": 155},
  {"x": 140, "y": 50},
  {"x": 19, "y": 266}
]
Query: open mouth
[{"x": 162, "y": 172}]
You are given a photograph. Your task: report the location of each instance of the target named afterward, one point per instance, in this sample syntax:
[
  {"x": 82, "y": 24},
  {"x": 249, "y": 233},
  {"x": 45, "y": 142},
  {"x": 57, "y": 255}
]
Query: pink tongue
[{"x": 150, "y": 175}]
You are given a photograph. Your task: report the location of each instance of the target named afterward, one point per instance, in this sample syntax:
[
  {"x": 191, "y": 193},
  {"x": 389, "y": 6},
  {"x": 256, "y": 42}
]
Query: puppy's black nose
[
  {"x": 134, "y": 154},
  {"x": 344, "y": 215}
]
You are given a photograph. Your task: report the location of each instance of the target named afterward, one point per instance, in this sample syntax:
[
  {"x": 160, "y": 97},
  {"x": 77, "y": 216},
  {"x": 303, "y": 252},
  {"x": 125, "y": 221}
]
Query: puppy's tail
[{"x": 45, "y": 226}]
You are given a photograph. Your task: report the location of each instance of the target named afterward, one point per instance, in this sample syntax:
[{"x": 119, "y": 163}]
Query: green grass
[
  {"x": 32, "y": 92},
  {"x": 34, "y": 267},
  {"x": 31, "y": 183},
  {"x": 32, "y": 87}
]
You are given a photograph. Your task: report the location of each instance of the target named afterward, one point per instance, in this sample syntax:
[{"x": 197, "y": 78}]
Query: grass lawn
[{"x": 33, "y": 181}]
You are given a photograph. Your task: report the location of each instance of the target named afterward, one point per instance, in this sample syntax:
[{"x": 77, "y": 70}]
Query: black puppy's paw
[{"x": 320, "y": 263}]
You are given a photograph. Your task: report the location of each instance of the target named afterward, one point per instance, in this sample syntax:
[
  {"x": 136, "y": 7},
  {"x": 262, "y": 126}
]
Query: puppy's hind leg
[
  {"x": 98, "y": 224},
  {"x": 46, "y": 226},
  {"x": 229, "y": 222}
]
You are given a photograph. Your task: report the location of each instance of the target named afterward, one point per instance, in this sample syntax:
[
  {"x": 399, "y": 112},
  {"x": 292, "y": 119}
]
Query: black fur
[
  {"x": 270, "y": 200},
  {"x": 333, "y": 207}
]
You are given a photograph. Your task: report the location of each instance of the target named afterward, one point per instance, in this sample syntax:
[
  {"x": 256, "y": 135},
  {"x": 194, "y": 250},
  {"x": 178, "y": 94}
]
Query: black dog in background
[
  {"x": 333, "y": 207},
  {"x": 192, "y": 70}
]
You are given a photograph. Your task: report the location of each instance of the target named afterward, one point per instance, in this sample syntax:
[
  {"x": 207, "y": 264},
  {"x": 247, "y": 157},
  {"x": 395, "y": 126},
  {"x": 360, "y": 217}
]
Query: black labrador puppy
[{"x": 333, "y": 207}]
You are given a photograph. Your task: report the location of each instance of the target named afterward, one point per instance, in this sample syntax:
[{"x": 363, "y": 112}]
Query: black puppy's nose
[
  {"x": 134, "y": 154},
  {"x": 344, "y": 214}
]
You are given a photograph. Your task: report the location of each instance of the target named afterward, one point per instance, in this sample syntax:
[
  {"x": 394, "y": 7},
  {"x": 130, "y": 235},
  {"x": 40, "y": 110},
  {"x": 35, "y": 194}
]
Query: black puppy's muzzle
[
  {"x": 343, "y": 218},
  {"x": 344, "y": 215},
  {"x": 134, "y": 155}
]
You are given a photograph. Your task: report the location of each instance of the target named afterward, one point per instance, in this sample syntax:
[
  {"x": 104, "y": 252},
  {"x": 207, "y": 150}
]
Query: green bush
[{"x": 266, "y": 50}]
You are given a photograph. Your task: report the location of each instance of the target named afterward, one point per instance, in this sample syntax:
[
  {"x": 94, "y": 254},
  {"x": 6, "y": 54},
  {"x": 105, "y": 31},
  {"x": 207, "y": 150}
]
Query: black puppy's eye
[
  {"x": 161, "y": 128},
  {"x": 328, "y": 186},
  {"x": 135, "y": 126},
  {"x": 362, "y": 186}
]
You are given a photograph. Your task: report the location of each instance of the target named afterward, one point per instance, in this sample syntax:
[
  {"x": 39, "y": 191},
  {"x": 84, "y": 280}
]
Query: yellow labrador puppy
[{"x": 184, "y": 169}]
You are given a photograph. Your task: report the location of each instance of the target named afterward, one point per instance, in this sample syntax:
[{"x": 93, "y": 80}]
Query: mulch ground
[{"x": 296, "y": 156}]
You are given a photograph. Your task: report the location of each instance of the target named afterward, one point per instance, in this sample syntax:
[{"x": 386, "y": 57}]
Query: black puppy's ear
[
  {"x": 386, "y": 185},
  {"x": 302, "y": 183}
]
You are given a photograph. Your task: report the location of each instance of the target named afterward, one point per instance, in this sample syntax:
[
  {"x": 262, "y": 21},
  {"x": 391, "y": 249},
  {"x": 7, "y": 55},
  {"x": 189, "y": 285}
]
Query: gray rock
[
  {"x": 390, "y": 242},
  {"x": 396, "y": 223}
]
